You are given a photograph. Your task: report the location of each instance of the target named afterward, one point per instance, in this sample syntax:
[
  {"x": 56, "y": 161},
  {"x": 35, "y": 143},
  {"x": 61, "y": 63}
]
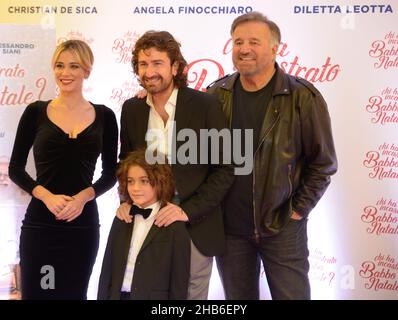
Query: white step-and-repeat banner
[{"x": 348, "y": 49}]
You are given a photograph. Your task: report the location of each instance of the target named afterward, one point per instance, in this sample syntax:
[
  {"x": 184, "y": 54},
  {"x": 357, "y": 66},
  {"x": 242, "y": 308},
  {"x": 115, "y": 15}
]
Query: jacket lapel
[
  {"x": 151, "y": 234},
  {"x": 182, "y": 117},
  {"x": 272, "y": 114},
  {"x": 121, "y": 254},
  {"x": 183, "y": 109},
  {"x": 141, "y": 124}
]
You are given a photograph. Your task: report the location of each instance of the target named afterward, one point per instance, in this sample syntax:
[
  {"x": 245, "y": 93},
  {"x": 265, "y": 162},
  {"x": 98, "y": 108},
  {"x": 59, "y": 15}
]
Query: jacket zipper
[{"x": 256, "y": 234}]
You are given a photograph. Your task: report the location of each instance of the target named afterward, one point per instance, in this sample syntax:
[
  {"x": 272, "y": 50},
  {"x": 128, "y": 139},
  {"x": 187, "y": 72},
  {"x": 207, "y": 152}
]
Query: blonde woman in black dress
[{"x": 60, "y": 232}]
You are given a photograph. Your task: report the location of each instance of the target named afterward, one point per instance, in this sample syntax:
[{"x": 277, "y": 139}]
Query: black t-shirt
[{"x": 248, "y": 112}]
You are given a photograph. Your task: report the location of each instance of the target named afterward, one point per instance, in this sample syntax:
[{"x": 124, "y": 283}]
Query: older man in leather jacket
[{"x": 265, "y": 212}]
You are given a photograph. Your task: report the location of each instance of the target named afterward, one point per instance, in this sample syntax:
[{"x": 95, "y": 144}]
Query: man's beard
[{"x": 159, "y": 85}]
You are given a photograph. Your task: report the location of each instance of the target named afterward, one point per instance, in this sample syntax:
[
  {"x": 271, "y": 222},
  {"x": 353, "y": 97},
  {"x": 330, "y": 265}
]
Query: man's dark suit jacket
[
  {"x": 201, "y": 187},
  {"x": 162, "y": 267}
]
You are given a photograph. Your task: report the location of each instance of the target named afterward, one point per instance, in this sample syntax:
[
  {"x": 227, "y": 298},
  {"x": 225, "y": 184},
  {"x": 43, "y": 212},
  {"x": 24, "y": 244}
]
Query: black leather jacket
[{"x": 295, "y": 157}]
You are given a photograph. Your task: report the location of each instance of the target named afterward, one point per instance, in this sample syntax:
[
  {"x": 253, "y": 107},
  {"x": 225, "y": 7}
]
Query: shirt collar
[{"x": 172, "y": 101}]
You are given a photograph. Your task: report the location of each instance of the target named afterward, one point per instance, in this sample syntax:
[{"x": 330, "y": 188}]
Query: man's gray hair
[{"x": 258, "y": 16}]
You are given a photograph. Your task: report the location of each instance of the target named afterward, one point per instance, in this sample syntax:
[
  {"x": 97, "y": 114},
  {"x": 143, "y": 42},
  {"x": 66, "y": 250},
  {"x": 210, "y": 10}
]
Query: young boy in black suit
[{"x": 143, "y": 261}]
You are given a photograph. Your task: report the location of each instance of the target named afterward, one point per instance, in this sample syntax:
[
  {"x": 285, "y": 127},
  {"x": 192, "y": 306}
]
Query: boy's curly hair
[{"x": 159, "y": 175}]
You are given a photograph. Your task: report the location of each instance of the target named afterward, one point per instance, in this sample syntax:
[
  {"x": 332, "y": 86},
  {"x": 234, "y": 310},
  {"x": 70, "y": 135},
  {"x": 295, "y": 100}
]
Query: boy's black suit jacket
[{"x": 161, "y": 269}]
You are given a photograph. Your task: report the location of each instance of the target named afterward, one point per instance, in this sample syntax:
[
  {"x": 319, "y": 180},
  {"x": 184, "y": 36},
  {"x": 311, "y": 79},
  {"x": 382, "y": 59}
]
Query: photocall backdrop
[{"x": 348, "y": 49}]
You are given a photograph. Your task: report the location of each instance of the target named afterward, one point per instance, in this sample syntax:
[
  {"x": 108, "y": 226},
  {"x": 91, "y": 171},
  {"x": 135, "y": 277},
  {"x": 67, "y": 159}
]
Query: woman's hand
[
  {"x": 56, "y": 202},
  {"x": 74, "y": 208}
]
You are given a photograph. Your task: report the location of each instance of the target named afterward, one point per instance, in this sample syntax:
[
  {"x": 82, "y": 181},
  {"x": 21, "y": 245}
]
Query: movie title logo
[
  {"x": 380, "y": 273},
  {"x": 202, "y": 71},
  {"x": 384, "y": 107},
  {"x": 383, "y": 162},
  {"x": 123, "y": 47},
  {"x": 322, "y": 267},
  {"x": 291, "y": 64},
  {"x": 75, "y": 35},
  {"x": 385, "y": 52},
  {"x": 25, "y": 93},
  {"x": 198, "y": 71},
  {"x": 125, "y": 91},
  {"x": 381, "y": 218}
]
